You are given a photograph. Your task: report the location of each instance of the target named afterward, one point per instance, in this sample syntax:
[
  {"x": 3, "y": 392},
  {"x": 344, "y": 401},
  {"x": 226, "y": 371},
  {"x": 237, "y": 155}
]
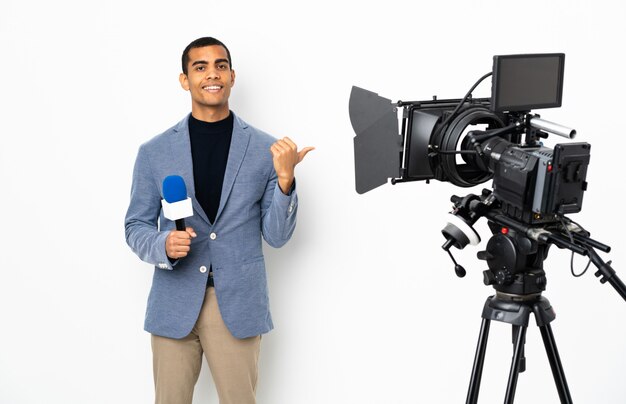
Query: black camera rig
[{"x": 469, "y": 141}]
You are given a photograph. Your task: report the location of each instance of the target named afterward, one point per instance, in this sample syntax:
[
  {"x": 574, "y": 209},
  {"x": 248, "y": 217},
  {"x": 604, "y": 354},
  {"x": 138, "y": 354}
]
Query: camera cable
[
  {"x": 469, "y": 93},
  {"x": 571, "y": 237}
]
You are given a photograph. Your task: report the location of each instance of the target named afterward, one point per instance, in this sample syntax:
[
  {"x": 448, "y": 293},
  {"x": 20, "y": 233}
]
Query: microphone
[{"x": 176, "y": 205}]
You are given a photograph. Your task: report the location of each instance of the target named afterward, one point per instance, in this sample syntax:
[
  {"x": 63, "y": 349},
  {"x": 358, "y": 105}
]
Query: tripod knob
[
  {"x": 488, "y": 278},
  {"x": 504, "y": 277}
]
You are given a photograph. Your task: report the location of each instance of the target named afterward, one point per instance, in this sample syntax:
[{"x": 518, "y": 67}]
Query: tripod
[
  {"x": 515, "y": 254},
  {"x": 516, "y": 272},
  {"x": 516, "y": 311}
]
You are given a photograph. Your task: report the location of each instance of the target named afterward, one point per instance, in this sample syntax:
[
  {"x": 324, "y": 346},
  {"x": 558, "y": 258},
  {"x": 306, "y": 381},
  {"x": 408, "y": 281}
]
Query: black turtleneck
[{"x": 210, "y": 143}]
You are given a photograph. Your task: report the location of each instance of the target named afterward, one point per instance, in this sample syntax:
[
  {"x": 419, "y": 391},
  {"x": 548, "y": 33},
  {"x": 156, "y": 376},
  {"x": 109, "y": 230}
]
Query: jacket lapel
[
  {"x": 238, "y": 146},
  {"x": 181, "y": 156}
]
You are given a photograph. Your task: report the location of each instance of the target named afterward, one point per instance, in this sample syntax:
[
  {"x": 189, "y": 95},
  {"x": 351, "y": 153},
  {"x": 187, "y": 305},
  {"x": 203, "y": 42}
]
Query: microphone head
[{"x": 174, "y": 189}]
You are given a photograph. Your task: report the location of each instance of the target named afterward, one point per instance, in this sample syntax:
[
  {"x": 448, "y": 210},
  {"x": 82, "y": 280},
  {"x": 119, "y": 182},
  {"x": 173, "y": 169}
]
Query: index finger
[
  {"x": 290, "y": 142},
  {"x": 181, "y": 234}
]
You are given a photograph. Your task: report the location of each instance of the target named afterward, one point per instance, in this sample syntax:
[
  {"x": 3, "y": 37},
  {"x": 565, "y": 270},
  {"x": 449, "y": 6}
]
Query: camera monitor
[{"x": 525, "y": 82}]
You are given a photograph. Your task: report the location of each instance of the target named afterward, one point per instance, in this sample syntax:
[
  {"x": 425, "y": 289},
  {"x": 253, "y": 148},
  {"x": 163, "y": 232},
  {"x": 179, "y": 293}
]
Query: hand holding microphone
[
  {"x": 178, "y": 243},
  {"x": 176, "y": 207}
]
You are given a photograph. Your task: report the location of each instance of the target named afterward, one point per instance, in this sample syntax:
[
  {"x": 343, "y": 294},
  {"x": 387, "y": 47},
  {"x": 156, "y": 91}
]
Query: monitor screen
[{"x": 525, "y": 82}]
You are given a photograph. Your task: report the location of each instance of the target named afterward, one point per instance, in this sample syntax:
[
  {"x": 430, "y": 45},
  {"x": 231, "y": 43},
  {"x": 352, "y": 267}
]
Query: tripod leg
[
  {"x": 515, "y": 365},
  {"x": 555, "y": 364},
  {"x": 522, "y": 362},
  {"x": 479, "y": 360}
]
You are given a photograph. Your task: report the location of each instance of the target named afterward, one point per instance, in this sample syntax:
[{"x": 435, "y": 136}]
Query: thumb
[
  {"x": 303, "y": 153},
  {"x": 191, "y": 231}
]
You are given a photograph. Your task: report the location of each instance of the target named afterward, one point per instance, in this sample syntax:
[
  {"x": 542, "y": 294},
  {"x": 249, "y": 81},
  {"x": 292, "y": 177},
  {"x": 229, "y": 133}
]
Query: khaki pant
[{"x": 233, "y": 362}]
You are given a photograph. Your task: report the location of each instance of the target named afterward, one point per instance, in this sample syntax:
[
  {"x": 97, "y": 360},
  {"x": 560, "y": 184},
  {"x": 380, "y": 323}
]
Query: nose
[{"x": 212, "y": 73}]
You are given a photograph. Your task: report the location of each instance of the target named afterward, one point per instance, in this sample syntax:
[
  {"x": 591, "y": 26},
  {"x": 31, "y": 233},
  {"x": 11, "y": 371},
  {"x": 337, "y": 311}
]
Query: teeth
[{"x": 212, "y": 88}]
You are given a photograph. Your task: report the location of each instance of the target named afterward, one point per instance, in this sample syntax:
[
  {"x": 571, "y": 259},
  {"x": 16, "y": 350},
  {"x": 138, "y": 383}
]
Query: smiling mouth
[{"x": 212, "y": 89}]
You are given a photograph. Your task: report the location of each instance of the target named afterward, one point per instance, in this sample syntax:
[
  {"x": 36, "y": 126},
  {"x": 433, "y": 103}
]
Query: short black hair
[{"x": 201, "y": 43}]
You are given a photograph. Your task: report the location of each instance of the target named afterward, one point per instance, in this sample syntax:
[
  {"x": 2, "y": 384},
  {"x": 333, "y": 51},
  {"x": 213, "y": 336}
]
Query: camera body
[
  {"x": 533, "y": 183},
  {"x": 469, "y": 141},
  {"x": 536, "y": 184}
]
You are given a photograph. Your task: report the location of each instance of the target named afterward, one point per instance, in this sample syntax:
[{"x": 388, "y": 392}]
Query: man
[{"x": 209, "y": 290}]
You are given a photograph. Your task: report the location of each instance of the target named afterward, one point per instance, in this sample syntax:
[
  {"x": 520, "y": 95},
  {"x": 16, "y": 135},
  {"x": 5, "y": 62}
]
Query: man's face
[{"x": 209, "y": 79}]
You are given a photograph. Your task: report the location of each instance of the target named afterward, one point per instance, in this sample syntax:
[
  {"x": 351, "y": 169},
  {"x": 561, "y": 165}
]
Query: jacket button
[
  {"x": 203, "y": 269},
  {"x": 213, "y": 236}
]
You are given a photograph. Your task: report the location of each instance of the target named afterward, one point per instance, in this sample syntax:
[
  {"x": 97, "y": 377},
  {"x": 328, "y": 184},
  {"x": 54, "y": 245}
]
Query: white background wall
[{"x": 366, "y": 305}]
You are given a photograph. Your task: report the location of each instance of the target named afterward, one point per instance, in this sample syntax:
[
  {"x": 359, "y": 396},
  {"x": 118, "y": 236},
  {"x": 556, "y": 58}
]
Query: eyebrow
[{"x": 204, "y": 62}]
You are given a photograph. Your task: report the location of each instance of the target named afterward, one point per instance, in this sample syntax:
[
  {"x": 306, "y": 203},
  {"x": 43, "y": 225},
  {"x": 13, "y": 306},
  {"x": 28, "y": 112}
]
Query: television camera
[{"x": 469, "y": 141}]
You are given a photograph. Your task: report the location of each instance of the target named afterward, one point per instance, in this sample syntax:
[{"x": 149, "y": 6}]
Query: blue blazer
[{"x": 251, "y": 206}]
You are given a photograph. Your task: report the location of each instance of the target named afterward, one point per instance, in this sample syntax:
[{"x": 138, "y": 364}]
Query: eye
[
  {"x": 222, "y": 66},
  {"x": 200, "y": 68}
]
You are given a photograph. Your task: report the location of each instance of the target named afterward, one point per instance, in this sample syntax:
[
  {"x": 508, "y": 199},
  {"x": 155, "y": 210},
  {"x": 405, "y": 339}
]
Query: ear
[
  {"x": 232, "y": 78},
  {"x": 184, "y": 81}
]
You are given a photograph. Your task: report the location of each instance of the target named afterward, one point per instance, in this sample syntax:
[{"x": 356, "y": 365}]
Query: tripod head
[{"x": 516, "y": 250}]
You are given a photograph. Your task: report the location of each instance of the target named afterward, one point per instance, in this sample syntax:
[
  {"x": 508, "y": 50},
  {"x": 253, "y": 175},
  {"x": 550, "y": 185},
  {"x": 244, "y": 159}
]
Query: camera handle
[
  {"x": 583, "y": 245},
  {"x": 606, "y": 273}
]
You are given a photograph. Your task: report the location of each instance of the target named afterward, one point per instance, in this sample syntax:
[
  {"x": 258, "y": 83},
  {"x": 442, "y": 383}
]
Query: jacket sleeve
[
  {"x": 278, "y": 213},
  {"x": 141, "y": 223}
]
